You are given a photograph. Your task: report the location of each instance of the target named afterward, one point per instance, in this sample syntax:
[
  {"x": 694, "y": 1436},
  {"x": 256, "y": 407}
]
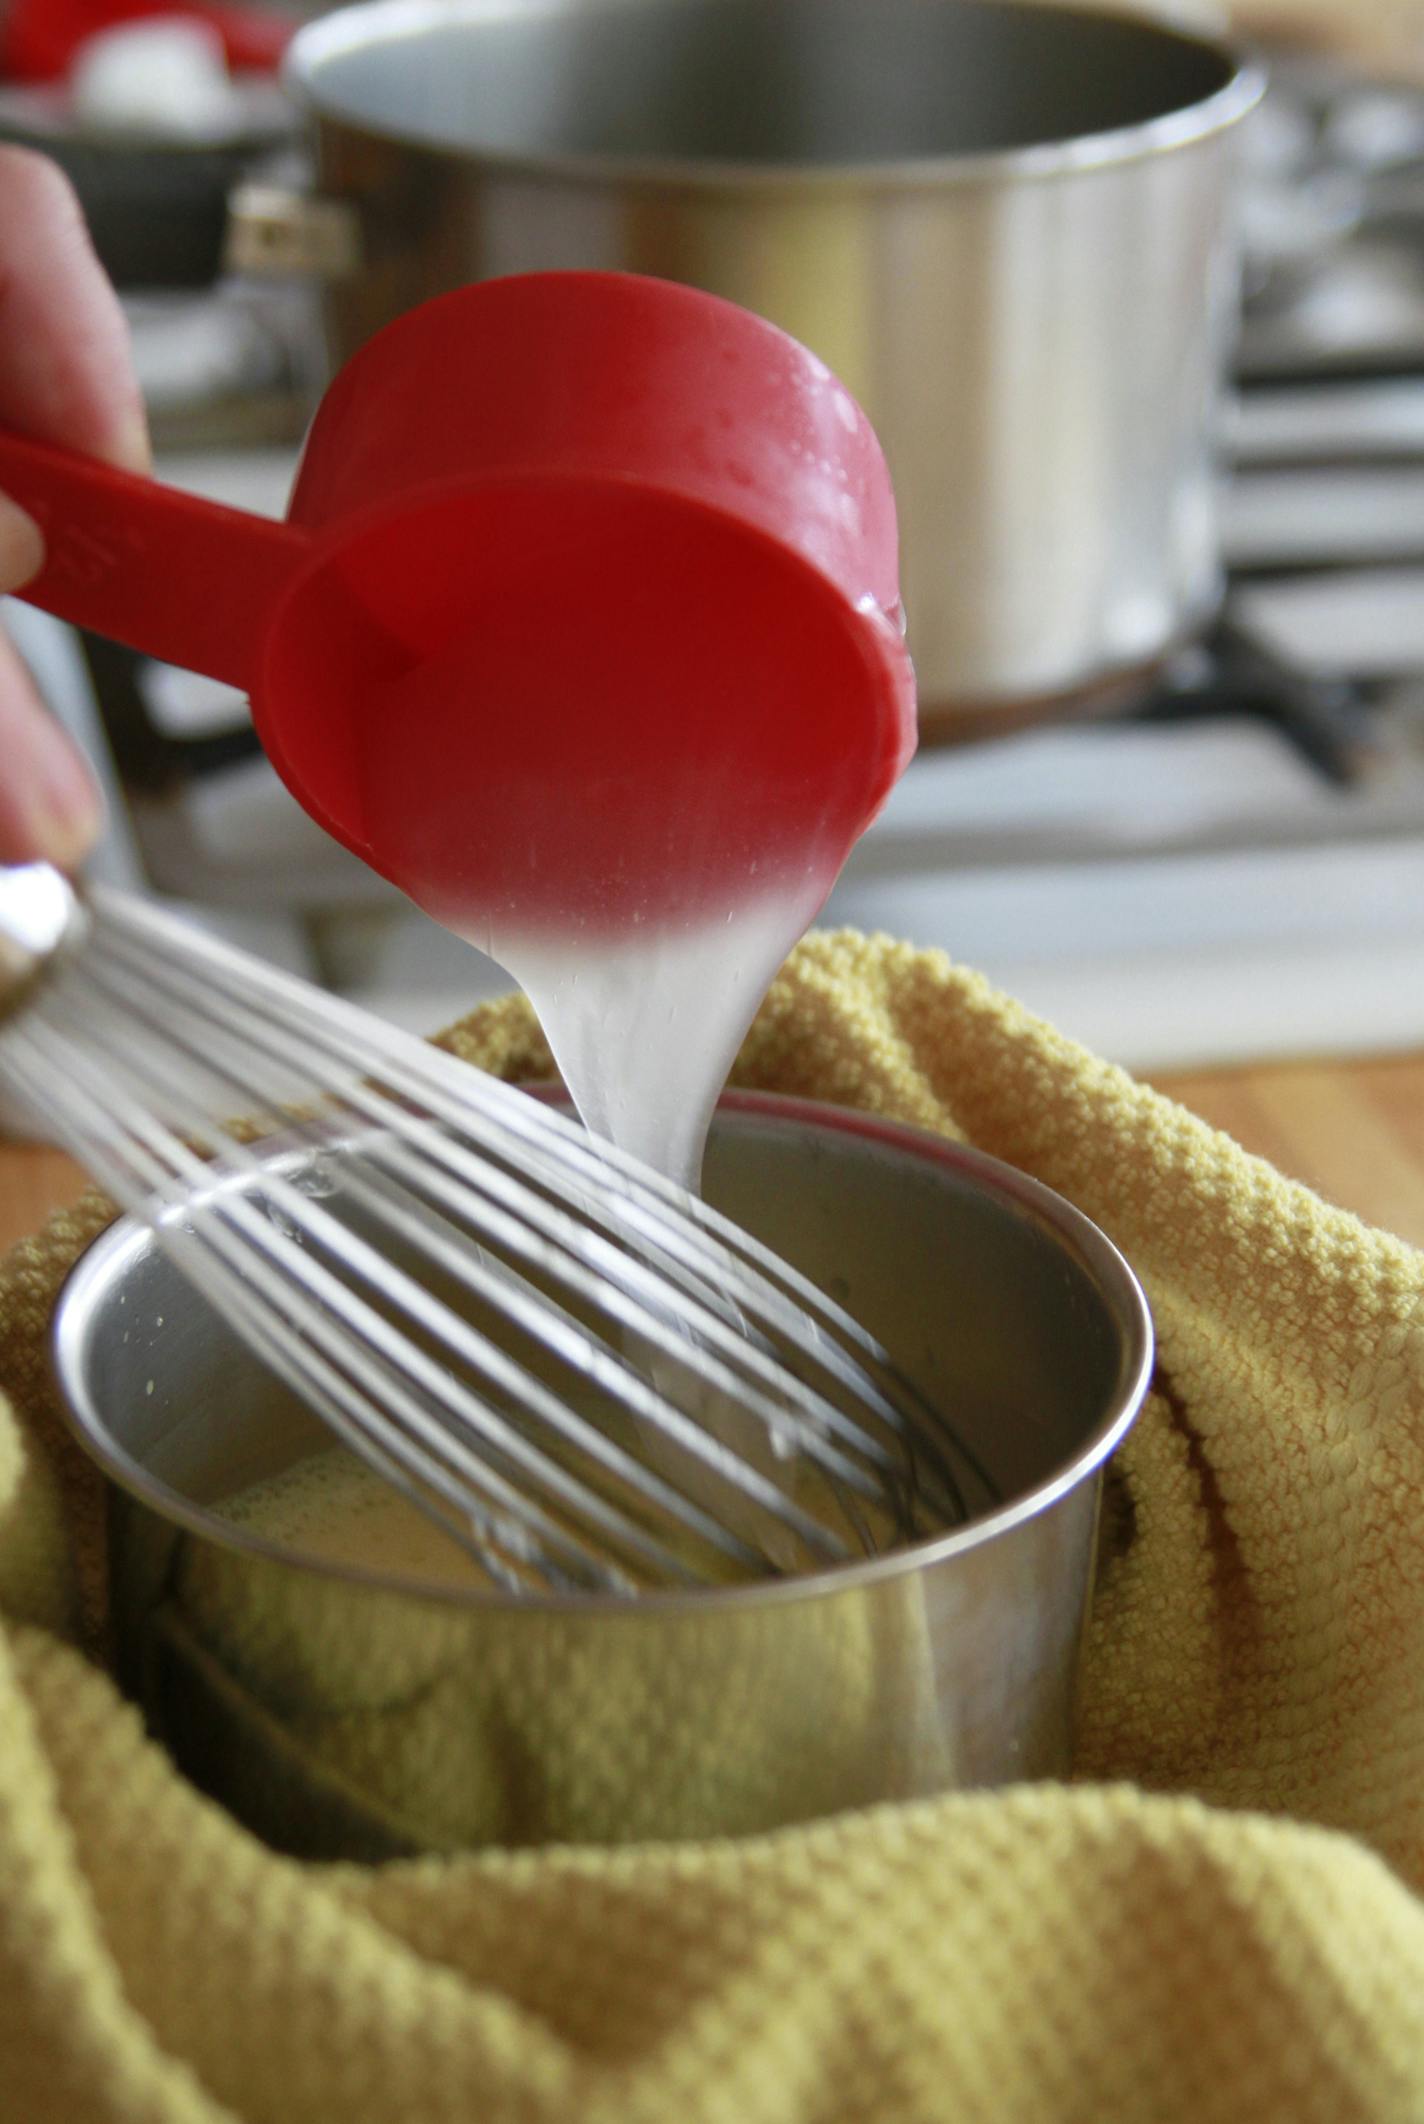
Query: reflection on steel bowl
[{"x": 375, "y": 1709}]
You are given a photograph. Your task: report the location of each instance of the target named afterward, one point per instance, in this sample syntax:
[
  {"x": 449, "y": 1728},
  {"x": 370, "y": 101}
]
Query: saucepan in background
[{"x": 1006, "y": 226}]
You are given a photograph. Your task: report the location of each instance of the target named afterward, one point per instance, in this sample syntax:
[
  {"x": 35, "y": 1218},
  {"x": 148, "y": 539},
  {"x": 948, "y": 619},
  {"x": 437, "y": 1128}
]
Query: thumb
[{"x": 50, "y": 806}]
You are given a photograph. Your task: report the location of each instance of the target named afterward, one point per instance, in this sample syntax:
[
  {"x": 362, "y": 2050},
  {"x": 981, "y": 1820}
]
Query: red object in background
[{"x": 38, "y": 38}]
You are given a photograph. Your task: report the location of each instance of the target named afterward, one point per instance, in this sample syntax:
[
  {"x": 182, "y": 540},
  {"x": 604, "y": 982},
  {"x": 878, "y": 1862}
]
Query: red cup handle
[{"x": 166, "y": 573}]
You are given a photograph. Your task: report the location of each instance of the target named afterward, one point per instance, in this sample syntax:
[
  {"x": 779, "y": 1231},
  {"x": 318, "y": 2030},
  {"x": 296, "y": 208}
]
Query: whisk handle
[{"x": 179, "y": 578}]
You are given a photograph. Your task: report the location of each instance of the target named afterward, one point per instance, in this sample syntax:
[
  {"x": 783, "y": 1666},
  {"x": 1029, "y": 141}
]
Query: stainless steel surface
[
  {"x": 716, "y": 1711},
  {"x": 272, "y": 230},
  {"x": 586, "y": 1379},
  {"x": 39, "y": 916},
  {"x": 1006, "y": 227}
]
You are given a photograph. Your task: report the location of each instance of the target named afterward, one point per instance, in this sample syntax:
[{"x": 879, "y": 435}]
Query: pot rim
[
  {"x": 352, "y": 28},
  {"x": 1114, "y": 1280}
]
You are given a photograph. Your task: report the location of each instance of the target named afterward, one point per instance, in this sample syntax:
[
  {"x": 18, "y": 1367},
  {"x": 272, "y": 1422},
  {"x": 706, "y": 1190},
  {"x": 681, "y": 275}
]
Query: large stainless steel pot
[
  {"x": 1006, "y": 226},
  {"x": 345, "y": 1713}
]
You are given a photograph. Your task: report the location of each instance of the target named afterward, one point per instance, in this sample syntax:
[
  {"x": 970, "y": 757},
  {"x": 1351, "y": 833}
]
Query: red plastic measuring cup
[{"x": 571, "y": 561}]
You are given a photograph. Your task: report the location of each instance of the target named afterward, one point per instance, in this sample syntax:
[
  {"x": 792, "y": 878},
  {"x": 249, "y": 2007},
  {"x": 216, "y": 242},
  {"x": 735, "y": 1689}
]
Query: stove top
[{"x": 1235, "y": 870}]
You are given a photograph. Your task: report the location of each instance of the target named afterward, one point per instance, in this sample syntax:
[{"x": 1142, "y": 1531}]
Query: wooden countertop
[{"x": 1354, "y": 1131}]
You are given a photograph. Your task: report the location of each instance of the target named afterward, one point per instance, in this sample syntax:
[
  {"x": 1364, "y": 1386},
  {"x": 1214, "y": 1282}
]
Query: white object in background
[
  {"x": 1173, "y": 895},
  {"x": 1101, "y": 792},
  {"x": 190, "y": 350},
  {"x": 1196, "y": 959},
  {"x": 245, "y": 819},
  {"x": 1260, "y": 1003},
  {"x": 184, "y": 705},
  {"x": 404, "y": 967},
  {"x": 238, "y": 840},
  {"x": 1314, "y": 423},
  {"x": 1361, "y": 623},
  {"x": 1205, "y": 15},
  {"x": 260, "y": 480},
  {"x": 1323, "y": 515},
  {"x": 163, "y": 77}
]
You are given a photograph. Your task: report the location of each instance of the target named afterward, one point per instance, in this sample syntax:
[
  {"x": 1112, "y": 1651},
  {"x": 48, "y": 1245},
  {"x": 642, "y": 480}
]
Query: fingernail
[
  {"x": 22, "y": 546},
  {"x": 67, "y": 810},
  {"x": 130, "y": 446}
]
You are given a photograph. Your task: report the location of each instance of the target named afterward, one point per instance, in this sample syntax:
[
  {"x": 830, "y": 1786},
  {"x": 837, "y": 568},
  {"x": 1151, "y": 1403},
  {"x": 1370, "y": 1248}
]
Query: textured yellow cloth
[{"x": 1220, "y": 1920}]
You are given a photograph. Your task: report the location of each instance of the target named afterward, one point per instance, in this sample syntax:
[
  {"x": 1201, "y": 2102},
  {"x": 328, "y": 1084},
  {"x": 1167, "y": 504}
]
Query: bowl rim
[
  {"x": 1114, "y": 1281},
  {"x": 323, "y": 42}
]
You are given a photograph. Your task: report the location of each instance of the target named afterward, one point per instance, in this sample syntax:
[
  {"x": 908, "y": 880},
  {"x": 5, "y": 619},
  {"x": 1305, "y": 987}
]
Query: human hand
[{"x": 66, "y": 376}]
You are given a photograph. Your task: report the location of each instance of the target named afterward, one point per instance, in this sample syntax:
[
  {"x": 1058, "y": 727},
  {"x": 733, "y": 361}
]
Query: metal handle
[
  {"x": 275, "y": 233},
  {"x": 40, "y": 915}
]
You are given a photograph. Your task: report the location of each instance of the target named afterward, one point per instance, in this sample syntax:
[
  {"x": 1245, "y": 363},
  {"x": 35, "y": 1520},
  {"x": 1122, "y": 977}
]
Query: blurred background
[{"x": 1217, "y": 859}]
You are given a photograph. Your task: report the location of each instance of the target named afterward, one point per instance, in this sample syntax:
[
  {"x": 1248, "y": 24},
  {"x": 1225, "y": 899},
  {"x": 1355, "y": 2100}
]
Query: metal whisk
[{"x": 586, "y": 1376}]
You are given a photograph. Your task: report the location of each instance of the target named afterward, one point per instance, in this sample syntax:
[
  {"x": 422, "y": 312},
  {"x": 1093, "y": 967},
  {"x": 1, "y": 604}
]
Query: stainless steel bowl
[
  {"x": 341, "y": 1713},
  {"x": 1006, "y": 227}
]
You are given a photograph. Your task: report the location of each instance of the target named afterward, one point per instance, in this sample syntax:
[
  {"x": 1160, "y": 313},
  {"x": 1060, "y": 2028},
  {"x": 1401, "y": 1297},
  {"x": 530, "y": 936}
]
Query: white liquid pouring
[{"x": 644, "y": 1029}]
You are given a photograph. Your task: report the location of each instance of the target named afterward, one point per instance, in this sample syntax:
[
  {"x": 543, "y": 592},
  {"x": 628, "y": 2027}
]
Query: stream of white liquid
[{"x": 644, "y": 1029}]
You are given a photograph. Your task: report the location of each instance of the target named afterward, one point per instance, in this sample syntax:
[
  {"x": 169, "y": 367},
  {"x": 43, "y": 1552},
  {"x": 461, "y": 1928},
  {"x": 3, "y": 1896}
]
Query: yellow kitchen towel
[{"x": 1220, "y": 1919}]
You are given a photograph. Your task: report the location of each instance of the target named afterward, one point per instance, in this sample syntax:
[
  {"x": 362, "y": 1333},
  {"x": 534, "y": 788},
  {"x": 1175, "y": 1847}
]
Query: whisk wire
[
  {"x": 691, "y": 1231},
  {"x": 599, "y": 1269},
  {"x": 256, "y": 1275},
  {"x": 585, "y": 1377},
  {"x": 561, "y": 1334},
  {"x": 362, "y": 1330}
]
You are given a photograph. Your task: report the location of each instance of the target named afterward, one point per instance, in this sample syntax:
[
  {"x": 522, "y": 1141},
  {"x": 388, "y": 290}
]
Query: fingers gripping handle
[{"x": 175, "y": 577}]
